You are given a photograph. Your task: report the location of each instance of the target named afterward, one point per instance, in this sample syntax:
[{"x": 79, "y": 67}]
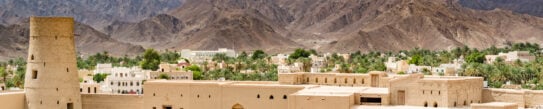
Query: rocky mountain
[
  {"x": 531, "y": 7},
  {"x": 351, "y": 25},
  {"x": 208, "y": 24},
  {"x": 97, "y": 13},
  {"x": 282, "y": 25},
  {"x": 153, "y": 32},
  {"x": 88, "y": 41}
]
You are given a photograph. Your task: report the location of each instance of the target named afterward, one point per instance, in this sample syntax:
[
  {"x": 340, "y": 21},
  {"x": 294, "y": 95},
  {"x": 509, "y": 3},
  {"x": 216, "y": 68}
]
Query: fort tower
[{"x": 51, "y": 80}]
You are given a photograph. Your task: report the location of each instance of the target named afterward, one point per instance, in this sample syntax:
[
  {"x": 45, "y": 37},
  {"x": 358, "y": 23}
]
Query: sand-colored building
[
  {"x": 523, "y": 56},
  {"x": 89, "y": 88},
  {"x": 279, "y": 59},
  {"x": 173, "y": 71},
  {"x": 51, "y": 80},
  {"x": 396, "y": 66},
  {"x": 51, "y": 83}
]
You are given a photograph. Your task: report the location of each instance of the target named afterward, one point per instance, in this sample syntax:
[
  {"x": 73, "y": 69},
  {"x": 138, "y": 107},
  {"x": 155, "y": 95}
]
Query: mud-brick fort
[{"x": 52, "y": 83}]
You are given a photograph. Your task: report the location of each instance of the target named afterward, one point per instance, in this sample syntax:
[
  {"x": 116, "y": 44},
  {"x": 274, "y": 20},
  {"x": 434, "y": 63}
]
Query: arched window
[
  {"x": 237, "y": 106},
  {"x": 285, "y": 97},
  {"x": 354, "y": 81},
  {"x": 258, "y": 96},
  {"x": 345, "y": 80},
  {"x": 335, "y": 80},
  {"x": 31, "y": 57},
  {"x": 435, "y": 104},
  {"x": 271, "y": 97},
  {"x": 425, "y": 104},
  {"x": 316, "y": 80},
  {"x": 325, "y": 80}
]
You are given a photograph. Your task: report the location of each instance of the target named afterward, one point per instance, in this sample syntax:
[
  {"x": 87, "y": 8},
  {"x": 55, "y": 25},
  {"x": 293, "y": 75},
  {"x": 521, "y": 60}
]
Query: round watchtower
[{"x": 51, "y": 80}]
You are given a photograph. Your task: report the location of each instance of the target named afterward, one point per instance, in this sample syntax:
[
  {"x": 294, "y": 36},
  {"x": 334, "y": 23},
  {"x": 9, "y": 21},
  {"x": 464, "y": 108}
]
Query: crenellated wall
[{"x": 524, "y": 98}]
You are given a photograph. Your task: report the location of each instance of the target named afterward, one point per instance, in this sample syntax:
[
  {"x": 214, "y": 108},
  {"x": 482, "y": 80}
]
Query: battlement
[{"x": 51, "y": 26}]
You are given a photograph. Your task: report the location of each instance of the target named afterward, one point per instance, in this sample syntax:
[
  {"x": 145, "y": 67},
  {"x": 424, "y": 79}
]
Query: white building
[
  {"x": 394, "y": 65},
  {"x": 418, "y": 69},
  {"x": 523, "y": 56},
  {"x": 296, "y": 67},
  {"x": 317, "y": 63},
  {"x": 122, "y": 80},
  {"x": 202, "y": 56},
  {"x": 279, "y": 59}
]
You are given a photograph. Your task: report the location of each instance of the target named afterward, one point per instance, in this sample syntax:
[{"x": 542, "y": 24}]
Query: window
[
  {"x": 69, "y": 106},
  {"x": 67, "y": 70},
  {"x": 258, "y": 96},
  {"x": 425, "y": 104},
  {"x": 88, "y": 90},
  {"x": 80, "y": 89},
  {"x": 285, "y": 97},
  {"x": 34, "y": 74},
  {"x": 31, "y": 57},
  {"x": 94, "y": 89},
  {"x": 271, "y": 97},
  {"x": 354, "y": 81},
  {"x": 325, "y": 80}
]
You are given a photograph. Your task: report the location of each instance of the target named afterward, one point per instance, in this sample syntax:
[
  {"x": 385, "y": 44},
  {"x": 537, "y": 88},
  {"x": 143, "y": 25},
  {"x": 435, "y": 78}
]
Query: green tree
[
  {"x": 170, "y": 57},
  {"x": 299, "y": 53},
  {"x": 99, "y": 77},
  {"x": 151, "y": 60},
  {"x": 259, "y": 54},
  {"x": 164, "y": 76},
  {"x": 416, "y": 59},
  {"x": 3, "y": 74},
  {"x": 196, "y": 72},
  {"x": 475, "y": 57}
]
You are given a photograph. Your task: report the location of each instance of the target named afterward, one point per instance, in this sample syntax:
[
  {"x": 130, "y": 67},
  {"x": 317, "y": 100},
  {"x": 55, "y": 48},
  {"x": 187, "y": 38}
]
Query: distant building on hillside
[
  {"x": 173, "y": 71},
  {"x": 523, "y": 56},
  {"x": 202, "y": 56}
]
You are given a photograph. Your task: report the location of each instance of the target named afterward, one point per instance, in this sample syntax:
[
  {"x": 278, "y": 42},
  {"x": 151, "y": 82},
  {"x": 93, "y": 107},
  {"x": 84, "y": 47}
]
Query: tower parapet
[{"x": 51, "y": 80}]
